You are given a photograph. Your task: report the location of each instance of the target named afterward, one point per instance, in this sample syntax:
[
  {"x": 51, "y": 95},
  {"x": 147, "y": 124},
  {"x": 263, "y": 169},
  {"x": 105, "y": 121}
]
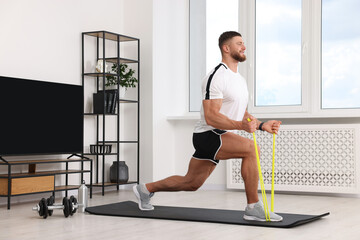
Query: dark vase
[{"x": 123, "y": 172}]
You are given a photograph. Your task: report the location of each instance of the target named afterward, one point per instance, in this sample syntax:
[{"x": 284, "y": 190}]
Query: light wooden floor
[{"x": 343, "y": 223}]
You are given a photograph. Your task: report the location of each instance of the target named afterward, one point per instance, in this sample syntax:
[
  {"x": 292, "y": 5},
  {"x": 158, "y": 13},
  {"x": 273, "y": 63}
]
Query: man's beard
[{"x": 238, "y": 57}]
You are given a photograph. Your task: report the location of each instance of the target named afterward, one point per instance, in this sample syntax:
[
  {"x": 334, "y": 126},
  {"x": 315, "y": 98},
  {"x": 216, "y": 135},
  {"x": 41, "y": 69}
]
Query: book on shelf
[
  {"x": 110, "y": 101},
  {"x": 113, "y": 103}
]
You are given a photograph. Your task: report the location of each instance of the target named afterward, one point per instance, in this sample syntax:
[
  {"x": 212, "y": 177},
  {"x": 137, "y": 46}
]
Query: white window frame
[{"x": 310, "y": 69}]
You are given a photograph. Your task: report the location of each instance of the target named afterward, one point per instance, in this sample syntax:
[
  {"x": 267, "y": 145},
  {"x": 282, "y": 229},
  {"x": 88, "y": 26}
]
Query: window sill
[{"x": 191, "y": 116}]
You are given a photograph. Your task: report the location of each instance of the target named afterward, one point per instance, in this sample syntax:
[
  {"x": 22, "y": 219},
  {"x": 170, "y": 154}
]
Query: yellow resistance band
[
  {"x": 263, "y": 193},
  {"x": 272, "y": 175}
]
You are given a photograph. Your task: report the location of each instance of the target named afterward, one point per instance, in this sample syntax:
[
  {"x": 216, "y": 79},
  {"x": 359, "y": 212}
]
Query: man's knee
[
  {"x": 251, "y": 149},
  {"x": 194, "y": 184}
]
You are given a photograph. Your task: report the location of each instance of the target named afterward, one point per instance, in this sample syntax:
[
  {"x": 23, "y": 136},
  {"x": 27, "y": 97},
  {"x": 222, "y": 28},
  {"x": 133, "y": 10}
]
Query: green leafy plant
[{"x": 127, "y": 78}]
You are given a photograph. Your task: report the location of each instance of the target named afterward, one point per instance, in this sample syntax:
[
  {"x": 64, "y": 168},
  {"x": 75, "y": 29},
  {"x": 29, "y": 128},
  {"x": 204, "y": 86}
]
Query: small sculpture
[{"x": 100, "y": 66}]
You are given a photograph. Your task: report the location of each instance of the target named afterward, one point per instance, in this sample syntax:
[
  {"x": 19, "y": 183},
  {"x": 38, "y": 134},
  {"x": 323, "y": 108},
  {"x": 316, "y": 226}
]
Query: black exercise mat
[{"x": 131, "y": 209}]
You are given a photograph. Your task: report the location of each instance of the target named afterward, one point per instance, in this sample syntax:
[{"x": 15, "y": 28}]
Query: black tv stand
[{"x": 31, "y": 182}]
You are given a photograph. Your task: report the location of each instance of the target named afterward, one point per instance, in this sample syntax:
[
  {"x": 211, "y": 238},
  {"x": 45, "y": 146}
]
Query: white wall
[
  {"x": 169, "y": 63},
  {"x": 42, "y": 39}
]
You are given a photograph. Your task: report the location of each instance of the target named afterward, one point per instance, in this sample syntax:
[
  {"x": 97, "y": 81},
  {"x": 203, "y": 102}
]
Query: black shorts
[{"x": 207, "y": 144}]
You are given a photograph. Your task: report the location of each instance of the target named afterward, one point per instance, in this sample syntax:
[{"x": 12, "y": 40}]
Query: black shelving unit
[
  {"x": 106, "y": 36},
  {"x": 18, "y": 184}
]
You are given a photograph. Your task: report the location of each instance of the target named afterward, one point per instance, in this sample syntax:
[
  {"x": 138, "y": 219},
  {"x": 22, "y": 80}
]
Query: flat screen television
[{"x": 38, "y": 117}]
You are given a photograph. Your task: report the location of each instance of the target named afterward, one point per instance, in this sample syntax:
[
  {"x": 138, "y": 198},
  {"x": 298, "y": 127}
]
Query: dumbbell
[{"x": 46, "y": 207}]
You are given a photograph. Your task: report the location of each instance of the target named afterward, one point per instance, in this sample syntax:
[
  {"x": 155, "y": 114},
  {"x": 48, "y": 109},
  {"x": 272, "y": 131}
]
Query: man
[{"x": 225, "y": 98}]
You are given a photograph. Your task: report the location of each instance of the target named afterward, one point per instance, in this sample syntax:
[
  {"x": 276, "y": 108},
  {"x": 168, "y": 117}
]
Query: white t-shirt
[{"x": 223, "y": 83}]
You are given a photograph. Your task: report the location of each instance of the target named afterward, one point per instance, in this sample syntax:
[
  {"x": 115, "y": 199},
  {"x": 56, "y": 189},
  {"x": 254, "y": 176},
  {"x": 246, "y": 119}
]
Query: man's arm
[{"x": 218, "y": 120}]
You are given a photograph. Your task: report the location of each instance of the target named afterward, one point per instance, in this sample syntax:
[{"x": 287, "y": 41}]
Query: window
[
  {"x": 278, "y": 53},
  {"x": 340, "y": 54},
  {"x": 221, "y": 16},
  {"x": 314, "y": 52}
]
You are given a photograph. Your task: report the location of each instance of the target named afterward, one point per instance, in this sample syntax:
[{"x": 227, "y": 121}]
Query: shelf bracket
[
  {"x": 77, "y": 155},
  {"x": 1, "y": 158}
]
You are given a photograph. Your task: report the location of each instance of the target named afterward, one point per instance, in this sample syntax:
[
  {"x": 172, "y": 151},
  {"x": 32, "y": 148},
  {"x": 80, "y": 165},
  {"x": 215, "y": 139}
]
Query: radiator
[{"x": 308, "y": 158}]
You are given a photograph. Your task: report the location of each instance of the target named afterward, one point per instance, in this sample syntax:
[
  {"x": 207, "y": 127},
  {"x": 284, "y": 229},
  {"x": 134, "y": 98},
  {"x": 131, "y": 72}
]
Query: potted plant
[{"x": 126, "y": 80}]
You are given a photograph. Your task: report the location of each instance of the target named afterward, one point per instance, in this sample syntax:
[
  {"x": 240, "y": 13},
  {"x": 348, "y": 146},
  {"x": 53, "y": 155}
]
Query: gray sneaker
[
  {"x": 258, "y": 214},
  {"x": 143, "y": 198}
]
